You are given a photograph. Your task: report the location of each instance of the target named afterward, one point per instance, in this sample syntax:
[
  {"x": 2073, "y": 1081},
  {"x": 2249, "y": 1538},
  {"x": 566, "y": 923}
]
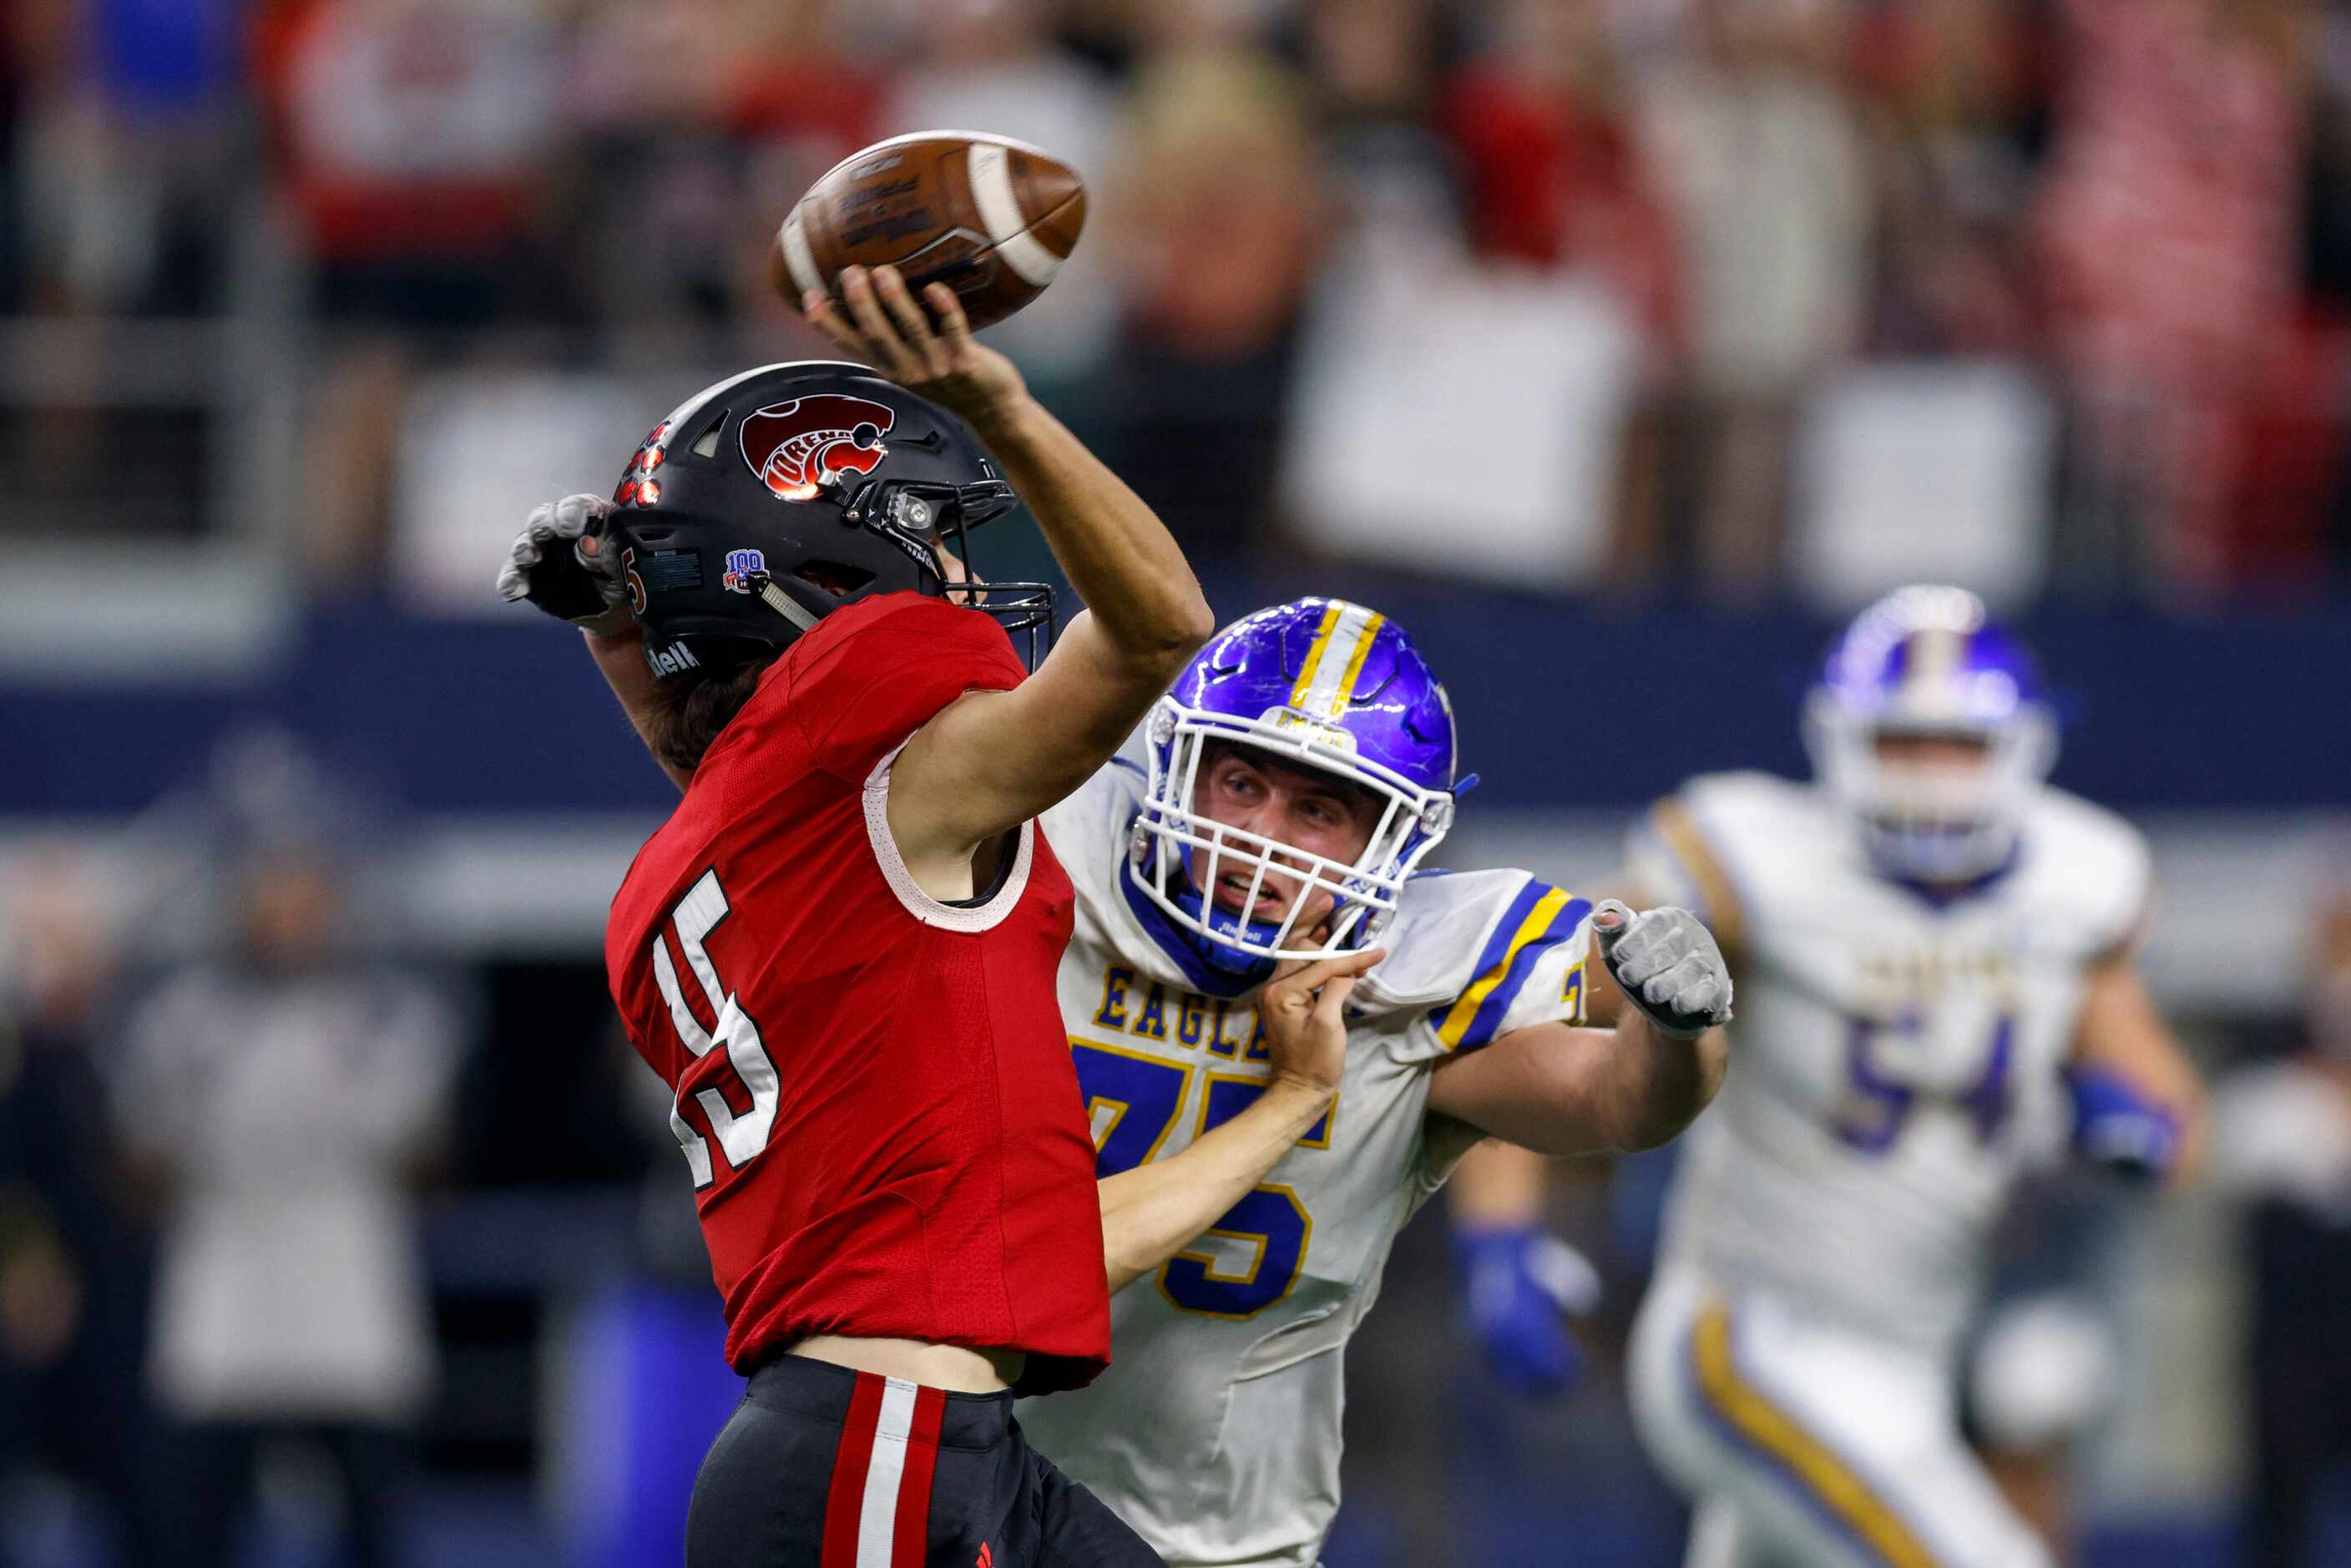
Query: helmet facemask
[
  {"x": 915, "y": 513},
  {"x": 1180, "y": 855},
  {"x": 933, "y": 523},
  {"x": 1931, "y": 824}
]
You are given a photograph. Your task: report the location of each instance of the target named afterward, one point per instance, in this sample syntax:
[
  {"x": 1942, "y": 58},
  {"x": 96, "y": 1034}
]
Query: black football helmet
[{"x": 768, "y": 501}]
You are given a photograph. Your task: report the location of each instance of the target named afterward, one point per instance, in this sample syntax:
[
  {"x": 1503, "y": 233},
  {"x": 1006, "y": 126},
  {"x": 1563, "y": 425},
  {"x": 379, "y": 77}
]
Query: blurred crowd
[{"x": 2112, "y": 239}]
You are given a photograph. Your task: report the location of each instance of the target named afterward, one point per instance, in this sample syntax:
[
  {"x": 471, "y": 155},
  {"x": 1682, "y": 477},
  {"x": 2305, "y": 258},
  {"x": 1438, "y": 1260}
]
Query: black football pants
[{"x": 821, "y": 1467}]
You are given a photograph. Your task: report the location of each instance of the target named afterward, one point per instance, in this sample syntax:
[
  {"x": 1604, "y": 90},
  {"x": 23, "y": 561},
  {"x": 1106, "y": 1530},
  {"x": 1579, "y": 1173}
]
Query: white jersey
[
  {"x": 1214, "y": 1433},
  {"x": 1895, "y": 1056}
]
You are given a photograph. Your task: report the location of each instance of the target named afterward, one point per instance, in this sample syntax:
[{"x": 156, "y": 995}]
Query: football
[{"x": 990, "y": 217}]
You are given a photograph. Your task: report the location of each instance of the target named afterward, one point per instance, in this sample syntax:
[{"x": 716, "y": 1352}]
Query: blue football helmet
[
  {"x": 1319, "y": 683},
  {"x": 1926, "y": 661}
]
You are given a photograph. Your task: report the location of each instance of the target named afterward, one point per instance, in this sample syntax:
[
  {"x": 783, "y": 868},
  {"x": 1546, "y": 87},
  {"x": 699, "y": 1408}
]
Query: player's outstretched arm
[
  {"x": 1153, "y": 1212},
  {"x": 1559, "y": 1088},
  {"x": 2138, "y": 1103},
  {"x": 991, "y": 760}
]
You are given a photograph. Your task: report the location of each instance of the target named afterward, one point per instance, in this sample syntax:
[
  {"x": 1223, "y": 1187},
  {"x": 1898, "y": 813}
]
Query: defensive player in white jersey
[
  {"x": 1935, "y": 957},
  {"x": 1286, "y": 790}
]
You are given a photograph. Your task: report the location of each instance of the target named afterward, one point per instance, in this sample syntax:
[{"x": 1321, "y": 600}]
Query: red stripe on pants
[
  {"x": 846, "y": 1497},
  {"x": 909, "y": 1541}
]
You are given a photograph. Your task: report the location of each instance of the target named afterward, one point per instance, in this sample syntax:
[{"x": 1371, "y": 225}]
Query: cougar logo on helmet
[{"x": 794, "y": 446}]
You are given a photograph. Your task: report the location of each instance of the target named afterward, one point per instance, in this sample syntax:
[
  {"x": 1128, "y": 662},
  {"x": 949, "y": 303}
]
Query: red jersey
[{"x": 873, "y": 1088}]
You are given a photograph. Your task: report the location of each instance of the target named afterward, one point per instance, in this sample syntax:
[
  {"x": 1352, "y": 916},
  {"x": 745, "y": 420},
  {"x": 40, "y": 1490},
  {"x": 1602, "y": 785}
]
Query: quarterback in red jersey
[
  {"x": 920, "y": 1143},
  {"x": 840, "y": 950}
]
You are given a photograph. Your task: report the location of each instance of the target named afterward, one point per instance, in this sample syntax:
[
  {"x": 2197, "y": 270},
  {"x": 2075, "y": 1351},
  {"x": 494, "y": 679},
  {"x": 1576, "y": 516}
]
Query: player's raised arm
[
  {"x": 995, "y": 758},
  {"x": 1561, "y": 1088}
]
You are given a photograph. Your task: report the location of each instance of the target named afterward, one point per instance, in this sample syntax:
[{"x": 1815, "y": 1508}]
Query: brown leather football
[{"x": 990, "y": 217}]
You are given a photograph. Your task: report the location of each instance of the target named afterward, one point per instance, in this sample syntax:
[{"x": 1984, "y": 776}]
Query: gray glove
[
  {"x": 562, "y": 563},
  {"x": 1668, "y": 965}
]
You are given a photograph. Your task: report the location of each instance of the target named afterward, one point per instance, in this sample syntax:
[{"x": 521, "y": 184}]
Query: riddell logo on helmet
[
  {"x": 673, "y": 660},
  {"x": 795, "y": 446}
]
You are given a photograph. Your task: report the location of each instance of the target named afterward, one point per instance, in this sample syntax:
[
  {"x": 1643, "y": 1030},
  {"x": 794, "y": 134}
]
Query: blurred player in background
[
  {"x": 1272, "y": 814},
  {"x": 2283, "y": 1150},
  {"x": 72, "y": 1261},
  {"x": 1936, "y": 956},
  {"x": 854, "y": 901},
  {"x": 282, "y": 1099}
]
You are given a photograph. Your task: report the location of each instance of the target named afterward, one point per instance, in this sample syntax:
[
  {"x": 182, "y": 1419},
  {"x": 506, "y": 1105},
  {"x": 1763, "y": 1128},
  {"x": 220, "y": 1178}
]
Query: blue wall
[{"x": 1559, "y": 704}]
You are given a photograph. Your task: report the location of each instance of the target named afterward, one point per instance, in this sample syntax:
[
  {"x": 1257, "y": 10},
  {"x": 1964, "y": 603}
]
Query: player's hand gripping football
[
  {"x": 1668, "y": 963},
  {"x": 562, "y": 563},
  {"x": 1304, "y": 1008},
  {"x": 885, "y": 326}
]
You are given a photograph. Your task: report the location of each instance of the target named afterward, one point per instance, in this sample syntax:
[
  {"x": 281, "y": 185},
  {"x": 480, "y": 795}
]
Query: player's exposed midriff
[{"x": 953, "y": 1368}]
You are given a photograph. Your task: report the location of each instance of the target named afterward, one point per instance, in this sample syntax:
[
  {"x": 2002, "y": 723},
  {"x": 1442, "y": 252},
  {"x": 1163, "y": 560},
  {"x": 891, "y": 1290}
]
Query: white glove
[
  {"x": 562, "y": 563},
  {"x": 1668, "y": 965}
]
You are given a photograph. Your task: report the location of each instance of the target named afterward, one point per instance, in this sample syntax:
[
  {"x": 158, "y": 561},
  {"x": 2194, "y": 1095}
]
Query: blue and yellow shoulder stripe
[{"x": 1538, "y": 920}]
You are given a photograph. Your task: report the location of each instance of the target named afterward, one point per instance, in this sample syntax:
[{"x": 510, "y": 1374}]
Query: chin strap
[
  {"x": 785, "y": 606},
  {"x": 1215, "y": 955},
  {"x": 1206, "y": 961},
  {"x": 1249, "y": 967}
]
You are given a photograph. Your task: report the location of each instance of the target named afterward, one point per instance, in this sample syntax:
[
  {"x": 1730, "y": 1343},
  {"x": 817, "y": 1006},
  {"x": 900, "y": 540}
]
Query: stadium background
[{"x": 1566, "y": 331}]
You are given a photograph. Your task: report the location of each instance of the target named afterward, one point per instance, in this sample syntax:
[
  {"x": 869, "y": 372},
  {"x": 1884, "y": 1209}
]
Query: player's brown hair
[{"x": 692, "y": 710}]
